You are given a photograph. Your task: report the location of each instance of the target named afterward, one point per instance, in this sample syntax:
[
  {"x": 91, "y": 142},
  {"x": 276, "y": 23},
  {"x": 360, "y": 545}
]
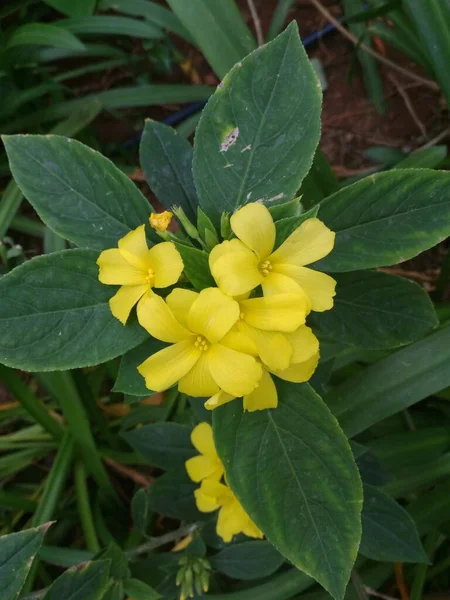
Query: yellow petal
[
  {"x": 251, "y": 530},
  {"x": 276, "y": 283},
  {"x": 218, "y": 399},
  {"x": 234, "y": 268},
  {"x": 202, "y": 439},
  {"x": 180, "y": 302},
  {"x": 280, "y": 312},
  {"x": 205, "y": 503},
  {"x": 211, "y": 494},
  {"x": 164, "y": 368},
  {"x": 273, "y": 348},
  {"x": 166, "y": 263},
  {"x": 308, "y": 243},
  {"x": 253, "y": 225},
  {"x": 230, "y": 521},
  {"x": 157, "y": 318},
  {"x": 304, "y": 343},
  {"x": 123, "y": 301},
  {"x": 265, "y": 395},
  {"x": 299, "y": 372},
  {"x": 213, "y": 314},
  {"x": 133, "y": 248},
  {"x": 200, "y": 467},
  {"x": 115, "y": 270},
  {"x": 199, "y": 382},
  {"x": 240, "y": 340},
  {"x": 234, "y": 372},
  {"x": 319, "y": 287}
]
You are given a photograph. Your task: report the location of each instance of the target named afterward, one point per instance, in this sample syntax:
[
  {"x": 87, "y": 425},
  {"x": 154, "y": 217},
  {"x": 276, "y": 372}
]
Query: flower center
[
  {"x": 265, "y": 268},
  {"x": 150, "y": 278},
  {"x": 201, "y": 343}
]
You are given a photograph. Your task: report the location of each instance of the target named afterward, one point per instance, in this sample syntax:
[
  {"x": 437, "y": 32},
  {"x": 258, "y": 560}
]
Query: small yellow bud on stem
[{"x": 160, "y": 221}]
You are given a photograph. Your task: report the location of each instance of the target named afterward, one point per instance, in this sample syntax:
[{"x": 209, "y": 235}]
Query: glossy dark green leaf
[
  {"x": 138, "y": 590},
  {"x": 17, "y": 552},
  {"x": 164, "y": 445},
  {"x": 377, "y": 310},
  {"x": 258, "y": 133},
  {"x": 386, "y": 218},
  {"x": 77, "y": 192},
  {"x": 389, "y": 533},
  {"x": 196, "y": 266},
  {"x": 54, "y": 314},
  {"x": 166, "y": 159},
  {"x": 88, "y": 583},
  {"x": 248, "y": 560},
  {"x": 129, "y": 380},
  {"x": 293, "y": 471},
  {"x": 172, "y": 495},
  {"x": 393, "y": 383}
]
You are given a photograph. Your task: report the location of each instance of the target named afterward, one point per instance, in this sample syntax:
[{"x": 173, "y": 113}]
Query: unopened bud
[
  {"x": 160, "y": 221},
  {"x": 187, "y": 225},
  {"x": 225, "y": 227}
]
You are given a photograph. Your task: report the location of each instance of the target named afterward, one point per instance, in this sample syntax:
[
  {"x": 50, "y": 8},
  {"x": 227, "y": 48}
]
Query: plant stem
[{"x": 84, "y": 508}]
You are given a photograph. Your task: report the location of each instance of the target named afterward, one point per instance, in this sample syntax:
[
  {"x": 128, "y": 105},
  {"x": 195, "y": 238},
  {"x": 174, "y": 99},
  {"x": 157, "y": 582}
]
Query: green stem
[
  {"x": 29, "y": 401},
  {"x": 84, "y": 508},
  {"x": 61, "y": 386},
  {"x": 421, "y": 570}
]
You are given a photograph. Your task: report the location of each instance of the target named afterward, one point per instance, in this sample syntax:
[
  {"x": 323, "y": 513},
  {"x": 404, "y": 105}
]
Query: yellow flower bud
[{"x": 160, "y": 221}]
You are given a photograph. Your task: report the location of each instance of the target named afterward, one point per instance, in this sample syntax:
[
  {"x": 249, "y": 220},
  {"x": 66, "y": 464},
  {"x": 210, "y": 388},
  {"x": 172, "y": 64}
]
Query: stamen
[{"x": 265, "y": 268}]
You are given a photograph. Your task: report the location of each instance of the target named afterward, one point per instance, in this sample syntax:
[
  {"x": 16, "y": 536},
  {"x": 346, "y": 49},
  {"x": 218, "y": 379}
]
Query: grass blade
[{"x": 107, "y": 25}]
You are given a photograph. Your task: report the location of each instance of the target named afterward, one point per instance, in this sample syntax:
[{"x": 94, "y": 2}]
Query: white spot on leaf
[{"x": 229, "y": 140}]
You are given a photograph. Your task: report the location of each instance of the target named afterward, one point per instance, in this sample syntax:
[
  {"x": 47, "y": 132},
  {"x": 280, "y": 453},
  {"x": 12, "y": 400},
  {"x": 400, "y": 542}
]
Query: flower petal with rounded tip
[
  {"x": 115, "y": 270},
  {"x": 202, "y": 439},
  {"x": 199, "y": 382},
  {"x": 230, "y": 521},
  {"x": 234, "y": 372},
  {"x": 212, "y": 493},
  {"x": 213, "y": 314},
  {"x": 264, "y": 396},
  {"x": 218, "y": 399},
  {"x": 201, "y": 467},
  {"x": 273, "y": 348},
  {"x": 166, "y": 263},
  {"x": 319, "y": 287},
  {"x": 205, "y": 503},
  {"x": 299, "y": 372},
  {"x": 280, "y": 312},
  {"x": 304, "y": 343},
  {"x": 239, "y": 340},
  {"x": 164, "y": 368},
  {"x": 234, "y": 268},
  {"x": 253, "y": 225},
  {"x": 311, "y": 241},
  {"x": 124, "y": 299},
  {"x": 157, "y": 318},
  {"x": 180, "y": 302},
  {"x": 277, "y": 283},
  {"x": 133, "y": 247}
]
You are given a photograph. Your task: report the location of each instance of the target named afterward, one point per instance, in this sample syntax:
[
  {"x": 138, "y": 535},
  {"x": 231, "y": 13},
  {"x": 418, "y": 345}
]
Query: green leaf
[
  {"x": 293, "y": 471},
  {"x": 88, "y": 583},
  {"x": 138, "y": 590},
  {"x": 172, "y": 495},
  {"x": 427, "y": 158},
  {"x": 376, "y": 311},
  {"x": 393, "y": 383},
  {"x": 140, "y": 510},
  {"x": 129, "y": 380},
  {"x": 386, "y": 218},
  {"x": 166, "y": 159},
  {"x": 249, "y": 560},
  {"x": 111, "y": 25},
  {"x": 80, "y": 8},
  {"x": 218, "y": 29},
  {"x": 77, "y": 192},
  {"x": 196, "y": 266},
  {"x": 164, "y": 445},
  {"x": 258, "y": 133},
  {"x": 44, "y": 34},
  {"x": 17, "y": 552},
  {"x": 389, "y": 533},
  {"x": 54, "y": 314}
]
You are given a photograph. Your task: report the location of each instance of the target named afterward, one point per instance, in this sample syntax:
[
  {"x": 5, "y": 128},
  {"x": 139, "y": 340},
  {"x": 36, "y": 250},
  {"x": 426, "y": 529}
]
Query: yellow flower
[
  {"x": 240, "y": 265},
  {"x": 232, "y": 519},
  {"x": 160, "y": 221},
  {"x": 303, "y": 363},
  {"x": 199, "y": 359},
  {"x": 137, "y": 269},
  {"x": 208, "y": 464}
]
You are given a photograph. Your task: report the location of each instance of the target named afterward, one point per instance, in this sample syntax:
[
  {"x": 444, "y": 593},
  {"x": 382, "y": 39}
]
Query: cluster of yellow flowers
[
  {"x": 214, "y": 494},
  {"x": 226, "y": 341}
]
